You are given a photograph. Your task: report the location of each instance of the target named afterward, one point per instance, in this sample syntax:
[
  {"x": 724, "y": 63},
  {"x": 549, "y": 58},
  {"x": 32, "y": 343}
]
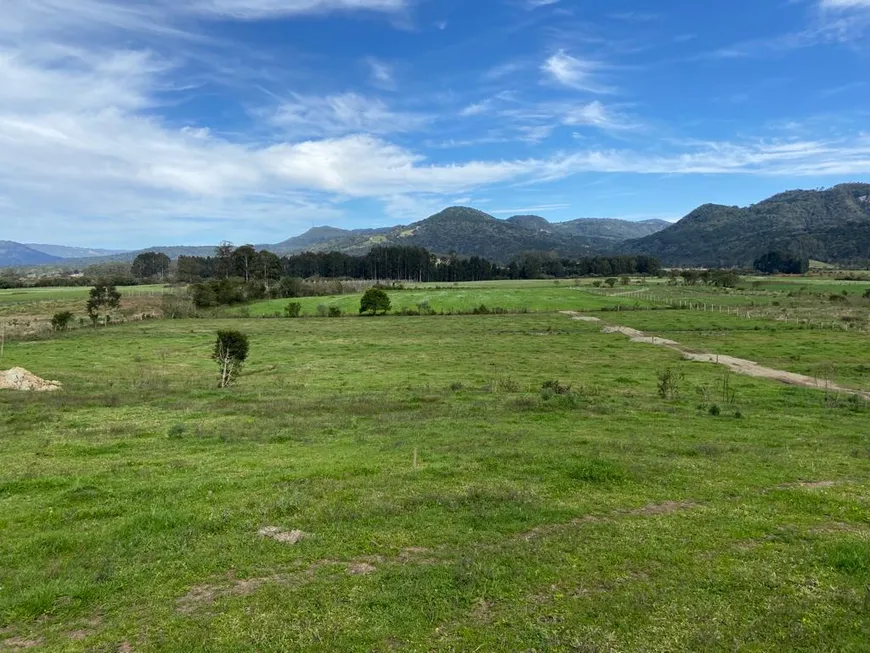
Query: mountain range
[
  {"x": 830, "y": 225},
  {"x": 460, "y": 230}
]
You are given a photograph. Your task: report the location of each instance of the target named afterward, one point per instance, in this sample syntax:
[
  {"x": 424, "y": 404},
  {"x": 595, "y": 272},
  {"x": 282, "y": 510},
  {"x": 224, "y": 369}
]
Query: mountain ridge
[{"x": 828, "y": 225}]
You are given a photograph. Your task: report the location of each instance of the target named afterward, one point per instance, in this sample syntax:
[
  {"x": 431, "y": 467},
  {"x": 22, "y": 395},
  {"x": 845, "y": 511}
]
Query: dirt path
[{"x": 737, "y": 365}]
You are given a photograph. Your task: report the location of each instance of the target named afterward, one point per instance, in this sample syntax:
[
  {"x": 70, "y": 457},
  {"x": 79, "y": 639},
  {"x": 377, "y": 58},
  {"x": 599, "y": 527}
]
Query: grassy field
[
  {"x": 513, "y": 297},
  {"x": 449, "y": 503}
]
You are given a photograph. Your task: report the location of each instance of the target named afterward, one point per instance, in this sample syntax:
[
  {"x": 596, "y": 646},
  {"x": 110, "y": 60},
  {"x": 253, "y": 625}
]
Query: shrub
[
  {"x": 322, "y": 310},
  {"x": 556, "y": 387},
  {"x": 867, "y": 294},
  {"x": 230, "y": 353},
  {"x": 669, "y": 383},
  {"x": 481, "y": 310},
  {"x": 715, "y": 411},
  {"x": 425, "y": 309},
  {"x": 61, "y": 321},
  {"x": 611, "y": 281},
  {"x": 334, "y": 311},
  {"x": 176, "y": 431},
  {"x": 293, "y": 309}
]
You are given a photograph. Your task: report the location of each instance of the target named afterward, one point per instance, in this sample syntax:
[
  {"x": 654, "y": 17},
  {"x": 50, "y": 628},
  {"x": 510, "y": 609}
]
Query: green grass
[
  {"x": 17, "y": 295},
  {"x": 598, "y": 520},
  {"x": 839, "y": 356},
  {"x": 514, "y": 298}
]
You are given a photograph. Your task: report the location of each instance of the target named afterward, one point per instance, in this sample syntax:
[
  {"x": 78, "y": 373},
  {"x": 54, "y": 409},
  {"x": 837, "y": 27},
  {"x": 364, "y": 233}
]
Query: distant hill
[
  {"x": 600, "y": 231},
  {"x": 323, "y": 238},
  {"x": 828, "y": 225},
  {"x": 611, "y": 229},
  {"x": 15, "y": 254},
  {"x": 62, "y": 251}
]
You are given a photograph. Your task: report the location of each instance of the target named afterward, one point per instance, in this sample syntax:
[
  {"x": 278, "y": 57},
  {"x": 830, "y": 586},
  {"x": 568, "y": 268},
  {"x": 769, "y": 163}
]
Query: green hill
[{"x": 829, "y": 225}]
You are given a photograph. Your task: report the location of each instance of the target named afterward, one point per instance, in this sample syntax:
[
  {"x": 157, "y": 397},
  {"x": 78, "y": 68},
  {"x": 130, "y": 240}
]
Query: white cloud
[
  {"x": 476, "y": 109},
  {"x": 381, "y": 73},
  {"x": 595, "y": 114},
  {"x": 258, "y": 9},
  {"x": 307, "y": 116},
  {"x": 534, "y": 4},
  {"x": 578, "y": 74},
  {"x": 846, "y": 4}
]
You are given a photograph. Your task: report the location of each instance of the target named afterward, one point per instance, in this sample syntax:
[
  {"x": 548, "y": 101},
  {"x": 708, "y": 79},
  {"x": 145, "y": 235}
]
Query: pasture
[{"x": 440, "y": 483}]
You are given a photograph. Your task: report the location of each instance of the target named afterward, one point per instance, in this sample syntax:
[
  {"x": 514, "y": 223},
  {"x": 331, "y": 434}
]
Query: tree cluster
[
  {"x": 719, "y": 278},
  {"x": 535, "y": 265},
  {"x": 781, "y": 263}
]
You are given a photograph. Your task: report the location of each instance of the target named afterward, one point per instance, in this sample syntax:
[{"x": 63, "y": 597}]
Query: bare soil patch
[
  {"x": 20, "y": 379},
  {"x": 361, "y": 568},
  {"x": 650, "y": 510},
  {"x": 280, "y": 535},
  {"x": 809, "y": 484},
  {"x": 20, "y": 643},
  {"x": 574, "y": 315}
]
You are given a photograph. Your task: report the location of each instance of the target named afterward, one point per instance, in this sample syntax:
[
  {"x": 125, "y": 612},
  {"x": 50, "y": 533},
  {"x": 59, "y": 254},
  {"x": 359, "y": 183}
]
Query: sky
[{"x": 130, "y": 123}]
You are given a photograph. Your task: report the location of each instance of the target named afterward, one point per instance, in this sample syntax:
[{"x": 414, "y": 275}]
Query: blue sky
[{"x": 130, "y": 123}]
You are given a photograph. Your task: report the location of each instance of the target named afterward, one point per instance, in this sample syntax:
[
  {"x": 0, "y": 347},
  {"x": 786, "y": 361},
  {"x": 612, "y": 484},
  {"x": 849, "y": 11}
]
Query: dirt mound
[{"x": 20, "y": 379}]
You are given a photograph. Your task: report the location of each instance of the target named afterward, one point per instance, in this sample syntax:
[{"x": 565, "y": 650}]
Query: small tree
[
  {"x": 625, "y": 280},
  {"x": 102, "y": 296},
  {"x": 611, "y": 281},
  {"x": 60, "y": 321},
  {"x": 374, "y": 300},
  {"x": 293, "y": 309},
  {"x": 230, "y": 352}
]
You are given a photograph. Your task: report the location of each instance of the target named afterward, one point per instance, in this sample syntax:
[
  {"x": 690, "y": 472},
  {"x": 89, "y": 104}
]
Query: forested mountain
[{"x": 829, "y": 225}]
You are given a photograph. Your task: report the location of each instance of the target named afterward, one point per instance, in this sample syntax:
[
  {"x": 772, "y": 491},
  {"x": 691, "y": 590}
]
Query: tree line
[{"x": 398, "y": 264}]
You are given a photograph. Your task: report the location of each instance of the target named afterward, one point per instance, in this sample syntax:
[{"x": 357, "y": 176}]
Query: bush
[
  {"x": 334, "y": 311},
  {"x": 293, "y": 309},
  {"x": 61, "y": 321},
  {"x": 230, "y": 353},
  {"x": 611, "y": 281},
  {"x": 715, "y": 411}
]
